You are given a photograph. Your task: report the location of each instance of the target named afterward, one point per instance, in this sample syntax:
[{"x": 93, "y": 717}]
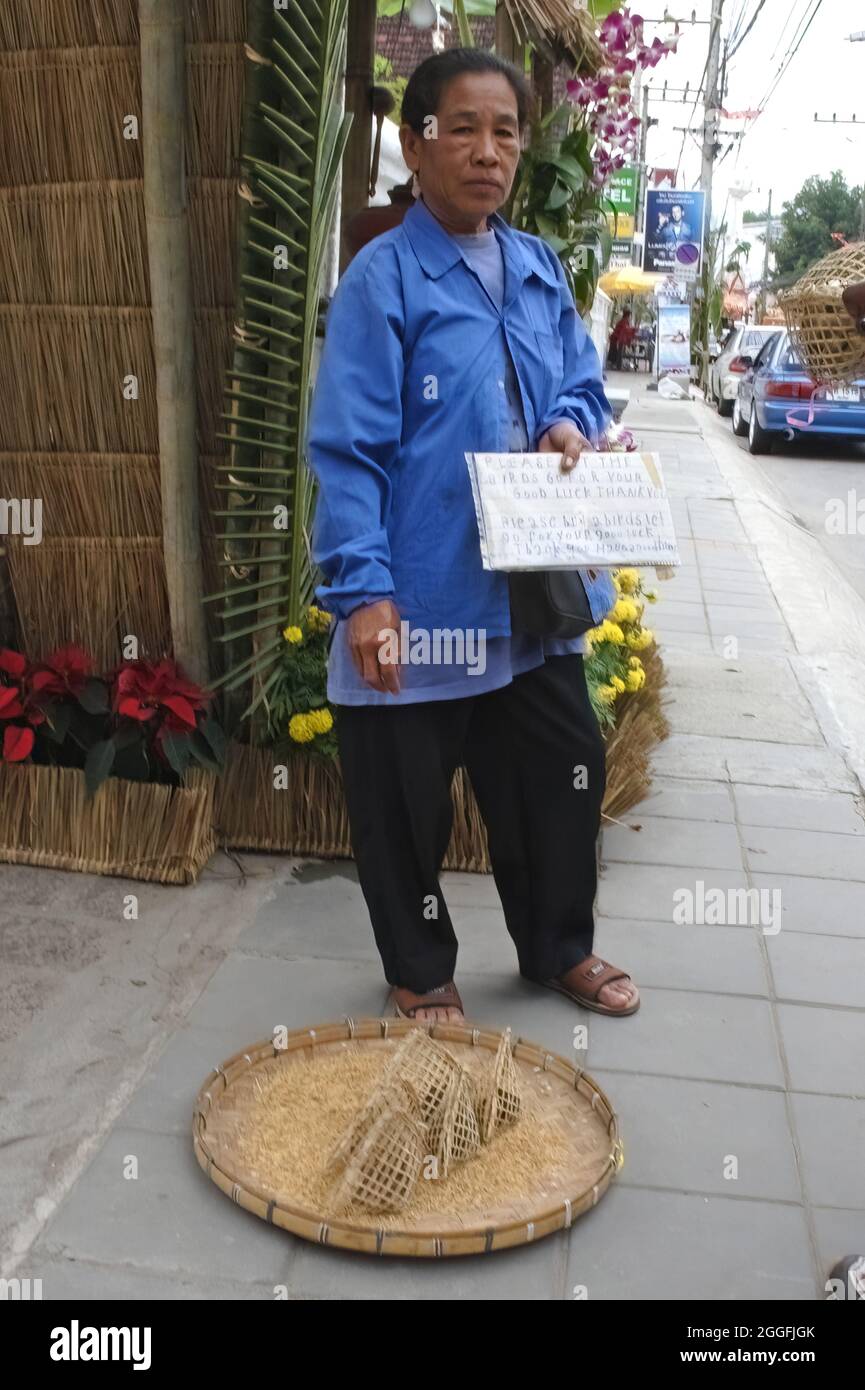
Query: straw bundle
[
  {"x": 92, "y": 592},
  {"x": 214, "y": 78},
  {"x": 95, "y": 495},
  {"x": 562, "y": 22},
  {"x": 133, "y": 829},
  {"x": 73, "y": 243},
  {"x": 212, "y": 231},
  {"x": 822, "y": 330},
  {"x": 309, "y": 816},
  {"x": 62, "y": 114},
  {"x": 62, "y": 387},
  {"x": 88, "y": 23},
  {"x": 640, "y": 725},
  {"x": 73, "y": 24}
]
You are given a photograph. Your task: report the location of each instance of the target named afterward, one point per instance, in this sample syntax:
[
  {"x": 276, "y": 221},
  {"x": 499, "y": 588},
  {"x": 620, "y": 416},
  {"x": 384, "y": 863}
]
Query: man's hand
[
  {"x": 367, "y": 631},
  {"x": 564, "y": 438}
]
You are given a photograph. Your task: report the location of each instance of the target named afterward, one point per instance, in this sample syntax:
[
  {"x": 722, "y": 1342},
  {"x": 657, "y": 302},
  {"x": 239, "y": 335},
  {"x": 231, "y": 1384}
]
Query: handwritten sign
[{"x": 610, "y": 510}]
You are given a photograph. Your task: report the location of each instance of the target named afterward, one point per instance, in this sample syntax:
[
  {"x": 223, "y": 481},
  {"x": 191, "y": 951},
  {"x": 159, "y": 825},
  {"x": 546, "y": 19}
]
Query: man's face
[
  {"x": 677, "y": 212},
  {"x": 467, "y": 168}
]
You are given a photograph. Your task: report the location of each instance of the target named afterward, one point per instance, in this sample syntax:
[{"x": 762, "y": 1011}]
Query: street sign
[{"x": 674, "y": 232}]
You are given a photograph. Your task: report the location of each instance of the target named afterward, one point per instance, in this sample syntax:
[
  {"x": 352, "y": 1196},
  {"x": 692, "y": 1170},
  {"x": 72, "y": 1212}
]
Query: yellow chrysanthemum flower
[
  {"x": 618, "y": 683},
  {"x": 612, "y": 632},
  {"x": 320, "y": 720},
  {"x": 636, "y": 680},
  {"x": 607, "y": 694},
  {"x": 319, "y": 620},
  {"x": 628, "y": 580},
  {"x": 635, "y": 663},
  {"x": 299, "y": 729},
  {"x": 625, "y": 611},
  {"x": 292, "y": 634}
]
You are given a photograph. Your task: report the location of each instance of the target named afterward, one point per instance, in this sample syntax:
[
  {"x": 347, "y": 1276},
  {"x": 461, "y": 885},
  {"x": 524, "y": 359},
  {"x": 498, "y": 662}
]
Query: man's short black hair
[{"x": 426, "y": 84}]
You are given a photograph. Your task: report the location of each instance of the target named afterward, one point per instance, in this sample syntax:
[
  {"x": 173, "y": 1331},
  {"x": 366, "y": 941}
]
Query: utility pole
[
  {"x": 642, "y": 171},
  {"x": 710, "y": 129},
  {"x": 766, "y": 242}
]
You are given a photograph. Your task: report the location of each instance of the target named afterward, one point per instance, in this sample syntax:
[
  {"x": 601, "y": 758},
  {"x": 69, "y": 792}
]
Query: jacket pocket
[{"x": 551, "y": 348}]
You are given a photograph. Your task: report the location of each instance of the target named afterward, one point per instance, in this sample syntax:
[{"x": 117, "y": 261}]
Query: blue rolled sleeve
[{"x": 354, "y": 434}]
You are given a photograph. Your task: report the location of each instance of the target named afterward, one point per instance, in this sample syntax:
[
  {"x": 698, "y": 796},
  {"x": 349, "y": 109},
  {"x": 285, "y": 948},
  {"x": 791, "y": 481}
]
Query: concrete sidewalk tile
[
  {"x": 680, "y": 609},
  {"x": 723, "y": 960},
  {"x": 672, "y": 620},
  {"x": 755, "y": 599},
  {"x": 839, "y": 1233},
  {"x": 709, "y": 1037},
  {"x": 832, "y": 1139},
  {"x": 249, "y": 996},
  {"x": 100, "y": 1283},
  {"x": 693, "y": 800},
  {"x": 469, "y": 890},
  {"x": 819, "y": 906},
  {"x": 674, "y": 1247},
  {"x": 736, "y": 697},
  {"x": 324, "y": 918},
  {"x": 825, "y": 1049},
  {"x": 539, "y": 1015},
  {"x": 164, "y": 1100},
  {"x": 839, "y": 813},
  {"x": 818, "y": 969},
  {"x": 733, "y": 616},
  {"x": 670, "y": 841},
  {"x": 169, "y": 1220},
  {"x": 531, "y": 1272},
  {"x": 766, "y": 644},
  {"x": 754, "y": 763},
  {"x": 653, "y": 893},
  {"x": 684, "y": 1134},
  {"x": 814, "y": 853}
]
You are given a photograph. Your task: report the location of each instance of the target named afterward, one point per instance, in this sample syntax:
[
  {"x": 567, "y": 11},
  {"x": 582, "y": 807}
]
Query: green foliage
[
  {"x": 756, "y": 216},
  {"x": 384, "y": 76},
  {"x": 300, "y": 689},
  {"x": 821, "y": 206},
  {"x": 555, "y": 200},
  {"x": 292, "y": 145}
]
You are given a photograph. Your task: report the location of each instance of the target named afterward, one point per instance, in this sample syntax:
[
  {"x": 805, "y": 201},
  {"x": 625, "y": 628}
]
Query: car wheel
[
  {"x": 759, "y": 440},
  {"x": 739, "y": 426},
  {"x": 724, "y": 407}
]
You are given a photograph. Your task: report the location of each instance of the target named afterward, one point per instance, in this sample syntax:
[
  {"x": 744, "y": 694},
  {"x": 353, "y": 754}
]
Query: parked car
[
  {"x": 774, "y": 382},
  {"x": 742, "y": 340}
]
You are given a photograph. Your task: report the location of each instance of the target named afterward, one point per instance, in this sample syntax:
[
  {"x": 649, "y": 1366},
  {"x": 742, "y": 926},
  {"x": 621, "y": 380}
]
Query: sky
[{"x": 783, "y": 146}]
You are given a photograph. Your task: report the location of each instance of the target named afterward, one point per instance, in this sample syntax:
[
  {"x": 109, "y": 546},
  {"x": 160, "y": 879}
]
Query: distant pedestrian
[{"x": 620, "y": 338}]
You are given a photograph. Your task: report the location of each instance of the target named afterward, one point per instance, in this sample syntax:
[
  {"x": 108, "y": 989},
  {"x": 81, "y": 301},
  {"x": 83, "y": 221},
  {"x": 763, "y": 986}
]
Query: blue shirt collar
[{"x": 437, "y": 251}]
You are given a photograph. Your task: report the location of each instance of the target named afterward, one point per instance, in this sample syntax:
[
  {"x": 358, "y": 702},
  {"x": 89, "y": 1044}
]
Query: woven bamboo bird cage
[{"x": 823, "y": 332}]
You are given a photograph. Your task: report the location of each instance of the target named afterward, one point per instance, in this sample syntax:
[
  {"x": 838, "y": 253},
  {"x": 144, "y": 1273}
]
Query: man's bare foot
[{"x": 440, "y": 1005}]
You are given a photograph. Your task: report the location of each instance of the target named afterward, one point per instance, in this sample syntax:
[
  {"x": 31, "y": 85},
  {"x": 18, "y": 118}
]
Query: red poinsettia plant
[
  {"x": 19, "y": 717},
  {"x": 143, "y": 721}
]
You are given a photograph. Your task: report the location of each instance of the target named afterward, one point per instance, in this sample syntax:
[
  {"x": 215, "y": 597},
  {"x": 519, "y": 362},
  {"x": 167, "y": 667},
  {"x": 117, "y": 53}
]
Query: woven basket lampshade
[{"x": 827, "y": 340}]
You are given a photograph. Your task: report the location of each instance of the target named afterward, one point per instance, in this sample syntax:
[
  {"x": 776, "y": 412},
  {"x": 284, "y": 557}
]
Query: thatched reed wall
[{"x": 74, "y": 315}]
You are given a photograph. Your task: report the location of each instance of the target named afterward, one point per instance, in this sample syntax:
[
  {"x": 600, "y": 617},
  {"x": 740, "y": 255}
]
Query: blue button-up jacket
[{"x": 410, "y": 379}]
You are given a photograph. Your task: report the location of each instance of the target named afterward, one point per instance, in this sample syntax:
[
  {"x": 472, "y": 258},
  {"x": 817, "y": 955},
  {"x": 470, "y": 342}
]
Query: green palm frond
[{"x": 294, "y": 136}]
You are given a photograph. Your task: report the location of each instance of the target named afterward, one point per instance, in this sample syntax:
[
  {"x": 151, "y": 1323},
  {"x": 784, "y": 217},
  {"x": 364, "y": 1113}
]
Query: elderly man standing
[{"x": 447, "y": 334}]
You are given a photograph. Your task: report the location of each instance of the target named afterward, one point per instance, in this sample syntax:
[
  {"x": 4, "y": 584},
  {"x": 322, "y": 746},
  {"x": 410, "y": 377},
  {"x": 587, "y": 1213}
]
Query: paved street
[{"x": 746, "y": 1057}]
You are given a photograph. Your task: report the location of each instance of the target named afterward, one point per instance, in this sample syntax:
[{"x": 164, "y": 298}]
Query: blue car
[{"x": 774, "y": 382}]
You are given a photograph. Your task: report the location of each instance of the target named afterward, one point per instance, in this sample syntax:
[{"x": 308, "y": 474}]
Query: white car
[{"x": 745, "y": 340}]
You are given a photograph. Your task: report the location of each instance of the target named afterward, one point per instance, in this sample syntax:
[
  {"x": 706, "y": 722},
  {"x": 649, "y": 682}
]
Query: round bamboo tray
[{"x": 557, "y": 1093}]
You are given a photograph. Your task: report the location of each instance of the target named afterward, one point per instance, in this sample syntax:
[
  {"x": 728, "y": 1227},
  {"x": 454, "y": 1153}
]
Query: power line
[
  {"x": 736, "y": 46},
  {"x": 780, "y": 39},
  {"x": 784, "y": 66}
]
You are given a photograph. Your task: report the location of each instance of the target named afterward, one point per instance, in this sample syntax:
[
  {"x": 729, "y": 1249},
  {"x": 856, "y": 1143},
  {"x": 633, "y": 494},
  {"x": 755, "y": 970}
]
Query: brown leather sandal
[
  {"x": 594, "y": 973},
  {"x": 442, "y": 997}
]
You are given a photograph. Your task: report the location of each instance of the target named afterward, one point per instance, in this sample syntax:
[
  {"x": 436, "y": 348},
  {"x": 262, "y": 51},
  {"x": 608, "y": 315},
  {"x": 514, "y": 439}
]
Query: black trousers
[{"x": 535, "y": 758}]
